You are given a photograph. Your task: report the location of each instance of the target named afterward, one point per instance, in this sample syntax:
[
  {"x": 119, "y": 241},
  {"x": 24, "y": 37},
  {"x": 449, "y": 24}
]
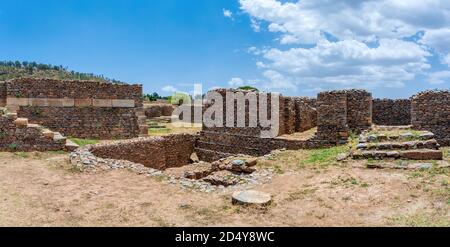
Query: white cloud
[
  {"x": 236, "y": 82},
  {"x": 446, "y": 59},
  {"x": 371, "y": 47},
  {"x": 350, "y": 63},
  {"x": 227, "y": 13},
  {"x": 169, "y": 89},
  {"x": 439, "y": 77},
  {"x": 306, "y": 20}
]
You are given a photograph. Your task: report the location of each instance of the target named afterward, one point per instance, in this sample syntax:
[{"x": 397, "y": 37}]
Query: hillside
[{"x": 11, "y": 70}]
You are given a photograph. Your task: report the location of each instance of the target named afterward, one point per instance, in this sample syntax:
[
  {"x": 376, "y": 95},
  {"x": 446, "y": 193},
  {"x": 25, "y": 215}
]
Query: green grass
[
  {"x": 323, "y": 156},
  {"x": 158, "y": 132},
  {"x": 22, "y": 154},
  {"x": 83, "y": 142}
]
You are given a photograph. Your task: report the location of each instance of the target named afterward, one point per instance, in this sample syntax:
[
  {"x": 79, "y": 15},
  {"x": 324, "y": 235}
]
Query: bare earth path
[{"x": 41, "y": 189}]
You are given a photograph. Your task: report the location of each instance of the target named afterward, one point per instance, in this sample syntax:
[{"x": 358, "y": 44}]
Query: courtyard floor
[{"x": 309, "y": 189}]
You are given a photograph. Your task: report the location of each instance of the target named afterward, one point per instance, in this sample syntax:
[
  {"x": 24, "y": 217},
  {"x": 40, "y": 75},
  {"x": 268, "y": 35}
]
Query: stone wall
[
  {"x": 2, "y": 94},
  {"x": 359, "y": 110},
  {"x": 157, "y": 152},
  {"x": 16, "y": 134},
  {"x": 83, "y": 109},
  {"x": 332, "y": 116},
  {"x": 85, "y": 122},
  {"x": 305, "y": 114},
  {"x": 392, "y": 112},
  {"x": 430, "y": 110},
  {"x": 60, "y": 89}
]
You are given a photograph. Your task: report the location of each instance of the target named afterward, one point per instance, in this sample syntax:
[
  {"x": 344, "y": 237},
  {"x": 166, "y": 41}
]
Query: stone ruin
[
  {"x": 222, "y": 155},
  {"x": 83, "y": 109}
]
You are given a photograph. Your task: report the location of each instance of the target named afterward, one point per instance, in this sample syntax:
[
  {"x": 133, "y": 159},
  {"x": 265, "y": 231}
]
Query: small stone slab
[
  {"x": 251, "y": 197},
  {"x": 71, "y": 146},
  {"x": 21, "y": 122}
]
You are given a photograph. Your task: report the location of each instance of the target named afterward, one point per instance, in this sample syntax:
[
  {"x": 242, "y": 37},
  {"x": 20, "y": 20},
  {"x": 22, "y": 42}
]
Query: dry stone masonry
[
  {"x": 156, "y": 152},
  {"x": 83, "y": 109},
  {"x": 392, "y": 112},
  {"x": 17, "y": 134},
  {"x": 430, "y": 110}
]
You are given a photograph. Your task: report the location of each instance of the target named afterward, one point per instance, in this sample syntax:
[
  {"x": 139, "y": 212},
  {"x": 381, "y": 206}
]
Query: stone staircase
[
  {"x": 19, "y": 135},
  {"x": 397, "y": 142}
]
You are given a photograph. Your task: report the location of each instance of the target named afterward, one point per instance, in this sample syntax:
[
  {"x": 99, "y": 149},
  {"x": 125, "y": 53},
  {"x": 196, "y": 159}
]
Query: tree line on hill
[{"x": 17, "y": 69}]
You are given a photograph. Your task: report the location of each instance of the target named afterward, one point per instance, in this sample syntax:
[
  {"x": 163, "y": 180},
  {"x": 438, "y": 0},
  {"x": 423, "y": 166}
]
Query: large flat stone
[
  {"x": 11, "y": 101},
  {"x": 123, "y": 103},
  {"x": 82, "y": 102},
  {"x": 102, "y": 102},
  {"x": 251, "y": 197}
]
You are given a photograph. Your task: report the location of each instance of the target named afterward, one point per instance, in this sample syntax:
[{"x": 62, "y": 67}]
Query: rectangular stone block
[
  {"x": 102, "y": 102},
  {"x": 11, "y": 101},
  {"x": 425, "y": 154},
  {"x": 67, "y": 102},
  {"x": 124, "y": 103},
  {"x": 83, "y": 102},
  {"x": 39, "y": 102}
]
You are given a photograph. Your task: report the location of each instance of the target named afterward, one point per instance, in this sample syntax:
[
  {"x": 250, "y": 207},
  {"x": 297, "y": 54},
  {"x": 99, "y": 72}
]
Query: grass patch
[
  {"x": 323, "y": 156},
  {"x": 83, "y": 142},
  {"x": 22, "y": 154},
  {"x": 300, "y": 194},
  {"x": 420, "y": 220},
  {"x": 158, "y": 132}
]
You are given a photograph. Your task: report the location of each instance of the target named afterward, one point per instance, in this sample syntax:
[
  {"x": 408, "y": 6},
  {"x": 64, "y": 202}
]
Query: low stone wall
[
  {"x": 85, "y": 122},
  {"x": 158, "y": 152},
  {"x": 16, "y": 134},
  {"x": 392, "y": 112},
  {"x": 153, "y": 111},
  {"x": 430, "y": 110}
]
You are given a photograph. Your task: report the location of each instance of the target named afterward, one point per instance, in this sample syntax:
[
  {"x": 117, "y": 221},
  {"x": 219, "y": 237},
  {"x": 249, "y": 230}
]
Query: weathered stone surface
[
  {"x": 430, "y": 111},
  {"x": 82, "y": 102},
  {"x": 392, "y": 112},
  {"x": 126, "y": 103},
  {"x": 14, "y": 101},
  {"x": 251, "y": 197},
  {"x": 71, "y": 146},
  {"x": 425, "y": 154},
  {"x": 198, "y": 171},
  {"x": 224, "y": 178},
  {"x": 194, "y": 158},
  {"x": 155, "y": 152},
  {"x": 420, "y": 166},
  {"x": 18, "y": 135},
  {"x": 342, "y": 156},
  {"x": 102, "y": 103},
  {"x": 21, "y": 122}
]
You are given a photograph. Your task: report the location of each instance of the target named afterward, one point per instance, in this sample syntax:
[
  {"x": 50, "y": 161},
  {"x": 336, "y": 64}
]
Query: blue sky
[{"x": 171, "y": 44}]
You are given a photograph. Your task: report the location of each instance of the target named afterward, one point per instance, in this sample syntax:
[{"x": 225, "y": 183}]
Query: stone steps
[
  {"x": 414, "y": 154},
  {"x": 430, "y": 144}
]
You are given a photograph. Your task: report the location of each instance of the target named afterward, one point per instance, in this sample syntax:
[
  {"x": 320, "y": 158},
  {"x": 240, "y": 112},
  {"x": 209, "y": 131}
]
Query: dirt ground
[{"x": 309, "y": 189}]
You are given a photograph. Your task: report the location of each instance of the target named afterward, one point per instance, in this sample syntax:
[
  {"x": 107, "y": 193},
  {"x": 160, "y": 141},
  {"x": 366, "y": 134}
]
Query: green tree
[
  {"x": 180, "y": 98},
  {"x": 248, "y": 88}
]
